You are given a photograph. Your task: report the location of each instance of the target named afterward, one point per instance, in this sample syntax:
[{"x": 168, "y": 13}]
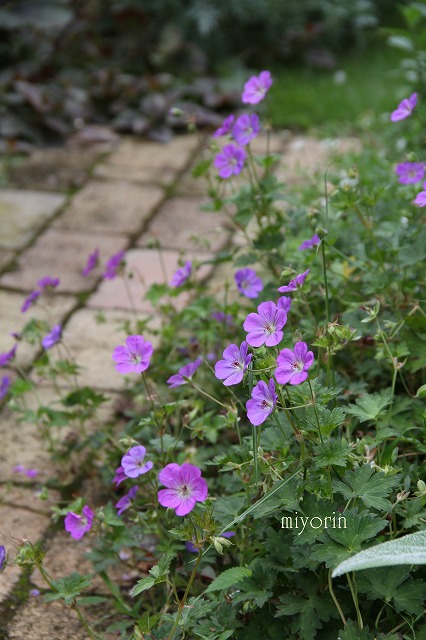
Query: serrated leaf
[
  {"x": 370, "y": 406},
  {"x": 353, "y": 632},
  {"x": 229, "y": 578},
  {"x": 68, "y": 588},
  {"x": 142, "y": 585},
  {"x": 410, "y": 549},
  {"x": 394, "y": 584},
  {"x": 257, "y": 587},
  {"x": 332, "y": 453},
  {"x": 158, "y": 573},
  {"x": 421, "y": 392},
  {"x": 311, "y": 609},
  {"x": 369, "y": 485}
]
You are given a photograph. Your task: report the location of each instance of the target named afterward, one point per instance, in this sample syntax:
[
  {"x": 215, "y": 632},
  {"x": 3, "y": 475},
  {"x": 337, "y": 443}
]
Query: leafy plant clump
[{"x": 276, "y": 436}]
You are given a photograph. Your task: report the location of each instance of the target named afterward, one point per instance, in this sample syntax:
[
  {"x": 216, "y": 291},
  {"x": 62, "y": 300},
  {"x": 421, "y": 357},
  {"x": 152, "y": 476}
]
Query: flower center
[
  {"x": 297, "y": 366},
  {"x": 269, "y": 327},
  {"x": 135, "y": 357},
  {"x": 184, "y": 490},
  {"x": 237, "y": 364}
]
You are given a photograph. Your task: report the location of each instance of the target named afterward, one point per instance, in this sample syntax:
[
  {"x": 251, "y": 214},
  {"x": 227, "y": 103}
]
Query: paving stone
[
  {"x": 261, "y": 145},
  {"x": 17, "y": 524},
  {"x": 305, "y": 154},
  {"x": 92, "y": 344},
  {"x": 23, "y": 444},
  {"x": 146, "y": 267},
  {"x": 57, "y": 169},
  {"x": 110, "y": 207},
  {"x": 22, "y": 213},
  {"x": 11, "y": 319},
  {"x": 25, "y": 498},
  {"x": 5, "y": 257},
  {"x": 63, "y": 254},
  {"x": 145, "y": 161},
  {"x": 54, "y": 621},
  {"x": 179, "y": 219}
]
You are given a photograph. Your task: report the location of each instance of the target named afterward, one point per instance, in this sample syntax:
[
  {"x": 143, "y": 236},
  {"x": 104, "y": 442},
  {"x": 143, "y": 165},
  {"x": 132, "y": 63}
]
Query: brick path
[{"x": 129, "y": 194}]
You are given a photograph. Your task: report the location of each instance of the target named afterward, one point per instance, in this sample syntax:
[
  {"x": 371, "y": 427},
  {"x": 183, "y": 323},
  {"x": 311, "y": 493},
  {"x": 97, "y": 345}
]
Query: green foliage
[
  {"x": 67, "y": 589},
  {"x": 370, "y": 486},
  {"x": 158, "y": 573}
]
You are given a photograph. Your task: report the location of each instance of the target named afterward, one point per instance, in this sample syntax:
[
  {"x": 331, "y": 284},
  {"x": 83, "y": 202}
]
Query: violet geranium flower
[
  {"x": 264, "y": 327},
  {"x": 295, "y": 283},
  {"x": 230, "y": 161},
  {"x": 284, "y": 303},
  {"x": 293, "y": 365},
  {"x": 405, "y": 108},
  {"x": 246, "y": 128},
  {"x": 184, "y": 374},
  {"x": 235, "y": 362},
  {"x": 30, "y": 300},
  {"x": 309, "y": 244},
  {"x": 6, "y": 357},
  {"x": 92, "y": 263},
  {"x": 133, "y": 462},
  {"x": 4, "y": 386},
  {"x": 410, "y": 172},
  {"x": 134, "y": 357},
  {"x": 124, "y": 503},
  {"x": 185, "y": 487},
  {"x": 181, "y": 275},
  {"x": 52, "y": 338},
  {"x": 262, "y": 402},
  {"x": 225, "y": 128},
  {"x": 79, "y": 524},
  {"x": 420, "y": 199},
  {"x": 2, "y": 557},
  {"x": 48, "y": 283},
  {"x": 248, "y": 283},
  {"x": 119, "y": 477},
  {"x": 256, "y": 88},
  {"x": 113, "y": 265}
]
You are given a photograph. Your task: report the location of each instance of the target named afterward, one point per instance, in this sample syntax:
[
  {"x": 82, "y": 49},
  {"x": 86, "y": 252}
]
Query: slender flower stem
[
  {"x": 333, "y": 595},
  {"x": 315, "y": 411},
  {"x": 159, "y": 426},
  {"x": 352, "y": 587},
  {"x": 209, "y": 396},
  {"x": 255, "y": 455},
  {"x": 185, "y": 596}
]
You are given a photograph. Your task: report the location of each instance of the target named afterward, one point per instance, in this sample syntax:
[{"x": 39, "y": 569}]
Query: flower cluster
[
  {"x": 45, "y": 284},
  {"x": 243, "y": 129}
]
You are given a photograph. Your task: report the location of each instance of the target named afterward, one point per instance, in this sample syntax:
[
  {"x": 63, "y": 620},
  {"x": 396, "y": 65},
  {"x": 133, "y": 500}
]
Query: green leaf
[
  {"x": 369, "y": 485},
  {"x": 312, "y": 609},
  {"x": 201, "y": 168},
  {"x": 67, "y": 588},
  {"x": 421, "y": 391},
  {"x": 332, "y": 452},
  {"x": 394, "y": 584},
  {"x": 337, "y": 544},
  {"x": 352, "y": 631},
  {"x": 229, "y": 578},
  {"x": 158, "y": 573},
  {"x": 410, "y": 549},
  {"x": 258, "y": 586},
  {"x": 370, "y": 406}
]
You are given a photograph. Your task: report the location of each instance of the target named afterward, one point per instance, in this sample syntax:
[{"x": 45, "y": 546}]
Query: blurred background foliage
[{"x": 66, "y": 64}]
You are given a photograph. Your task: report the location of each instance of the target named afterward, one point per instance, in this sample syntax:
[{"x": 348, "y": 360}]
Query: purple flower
[
  {"x": 132, "y": 462},
  {"x": 181, "y": 275},
  {"x": 6, "y": 357},
  {"x": 293, "y": 366},
  {"x": 284, "y": 303},
  {"x": 410, "y": 172},
  {"x": 262, "y": 402},
  {"x": 264, "y": 327},
  {"x": 2, "y": 557},
  {"x": 235, "y": 362},
  {"x": 256, "y": 87},
  {"x": 248, "y": 283},
  {"x": 184, "y": 374},
  {"x": 220, "y": 316},
  {"x": 92, "y": 263},
  {"x": 4, "y": 386},
  {"x": 124, "y": 503},
  {"x": 48, "y": 283},
  {"x": 185, "y": 487},
  {"x": 246, "y": 128},
  {"x": 77, "y": 525},
  {"x": 230, "y": 161},
  {"x": 294, "y": 284},
  {"x": 420, "y": 199},
  {"x": 53, "y": 337},
  {"x": 30, "y": 300},
  {"x": 31, "y": 473},
  {"x": 225, "y": 128},
  {"x": 119, "y": 477},
  {"x": 134, "y": 357},
  {"x": 18, "y": 468},
  {"x": 404, "y": 109},
  {"x": 34, "y": 592},
  {"x": 309, "y": 244},
  {"x": 113, "y": 265}
]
